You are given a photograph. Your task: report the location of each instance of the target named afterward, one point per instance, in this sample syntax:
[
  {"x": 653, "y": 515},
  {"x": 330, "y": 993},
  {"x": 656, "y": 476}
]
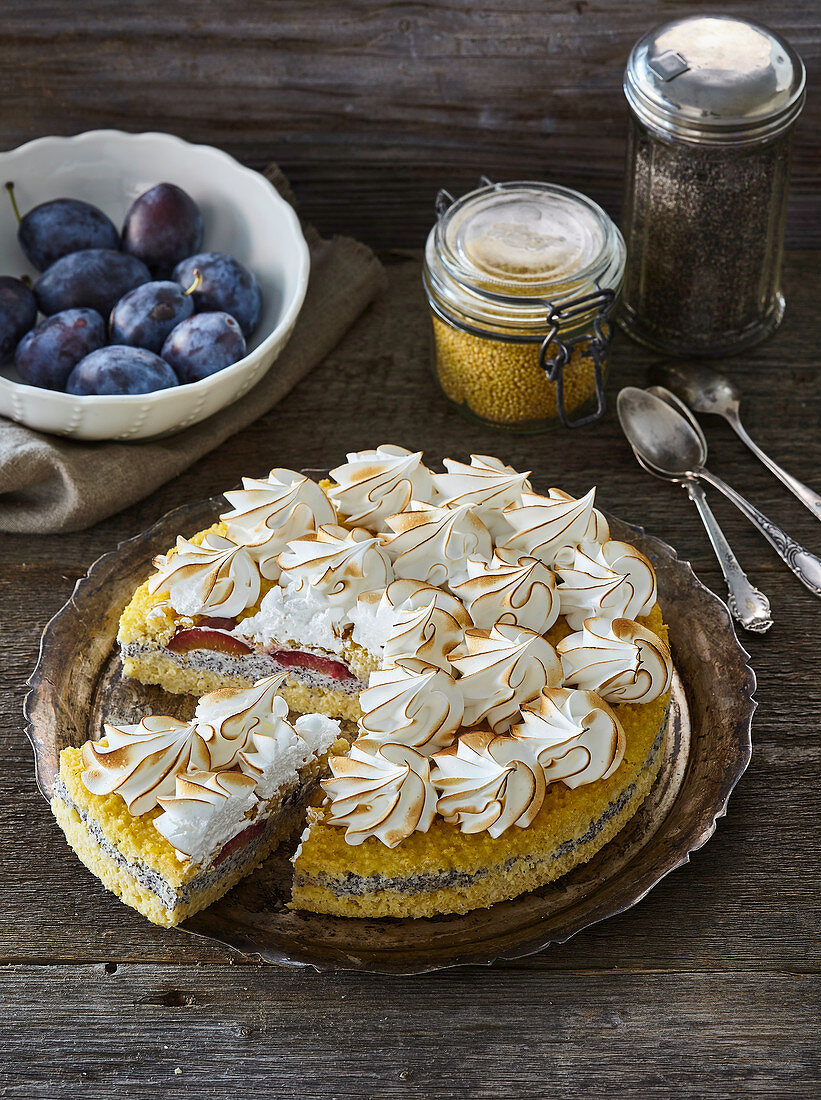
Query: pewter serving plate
[{"x": 77, "y": 684}]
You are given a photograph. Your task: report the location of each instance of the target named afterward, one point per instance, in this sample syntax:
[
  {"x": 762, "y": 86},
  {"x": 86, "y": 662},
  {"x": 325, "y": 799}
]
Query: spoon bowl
[
  {"x": 660, "y": 433},
  {"x": 676, "y": 403},
  {"x": 707, "y": 391},
  {"x": 703, "y": 389}
]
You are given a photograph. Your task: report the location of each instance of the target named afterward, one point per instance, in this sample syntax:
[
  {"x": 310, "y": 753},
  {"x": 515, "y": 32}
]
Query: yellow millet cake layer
[
  {"x": 138, "y": 864},
  {"x": 121, "y": 882},
  {"x": 448, "y": 871}
]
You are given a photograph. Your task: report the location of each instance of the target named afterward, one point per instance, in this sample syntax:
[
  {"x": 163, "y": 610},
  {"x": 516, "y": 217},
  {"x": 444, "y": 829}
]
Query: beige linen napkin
[{"x": 49, "y": 484}]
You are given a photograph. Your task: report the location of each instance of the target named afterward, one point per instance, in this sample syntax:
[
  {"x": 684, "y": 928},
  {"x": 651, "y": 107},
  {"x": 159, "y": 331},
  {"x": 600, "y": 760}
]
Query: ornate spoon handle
[
  {"x": 806, "y": 566},
  {"x": 805, "y": 494},
  {"x": 749, "y": 606}
]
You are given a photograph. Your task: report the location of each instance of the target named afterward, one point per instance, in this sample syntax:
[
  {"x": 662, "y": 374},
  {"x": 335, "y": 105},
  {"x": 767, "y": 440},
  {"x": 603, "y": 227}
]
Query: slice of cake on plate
[{"x": 169, "y": 815}]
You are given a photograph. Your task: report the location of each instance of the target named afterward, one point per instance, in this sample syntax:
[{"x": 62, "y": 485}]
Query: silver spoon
[
  {"x": 707, "y": 391},
  {"x": 747, "y": 604},
  {"x": 667, "y": 441}
]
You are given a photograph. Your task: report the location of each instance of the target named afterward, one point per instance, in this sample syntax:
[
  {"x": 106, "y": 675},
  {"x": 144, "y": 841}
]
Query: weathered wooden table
[{"x": 709, "y": 987}]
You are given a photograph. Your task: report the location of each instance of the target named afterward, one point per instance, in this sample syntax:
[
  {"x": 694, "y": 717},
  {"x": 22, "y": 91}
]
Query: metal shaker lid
[{"x": 715, "y": 79}]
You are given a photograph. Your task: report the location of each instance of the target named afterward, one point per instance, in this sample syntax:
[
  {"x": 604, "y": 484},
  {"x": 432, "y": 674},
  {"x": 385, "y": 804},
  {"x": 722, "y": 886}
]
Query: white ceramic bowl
[{"x": 244, "y": 216}]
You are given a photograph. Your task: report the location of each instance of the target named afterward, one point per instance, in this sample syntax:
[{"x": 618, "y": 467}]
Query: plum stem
[
  {"x": 10, "y": 189},
  {"x": 196, "y": 283}
]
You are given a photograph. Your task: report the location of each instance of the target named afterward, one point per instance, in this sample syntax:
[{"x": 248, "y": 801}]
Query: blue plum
[
  {"x": 226, "y": 285},
  {"x": 96, "y": 278},
  {"x": 55, "y": 229},
  {"x": 204, "y": 344},
  {"x": 162, "y": 227},
  {"x": 118, "y": 369},
  {"x": 147, "y": 314},
  {"x": 49, "y": 353},
  {"x": 18, "y": 312}
]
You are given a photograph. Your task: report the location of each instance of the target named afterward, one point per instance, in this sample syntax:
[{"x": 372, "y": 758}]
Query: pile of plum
[{"x": 126, "y": 313}]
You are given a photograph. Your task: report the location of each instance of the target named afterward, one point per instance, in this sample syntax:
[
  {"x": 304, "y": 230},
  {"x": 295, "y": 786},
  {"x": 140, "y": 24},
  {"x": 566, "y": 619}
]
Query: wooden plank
[
  {"x": 278, "y": 1034},
  {"x": 370, "y": 108}
]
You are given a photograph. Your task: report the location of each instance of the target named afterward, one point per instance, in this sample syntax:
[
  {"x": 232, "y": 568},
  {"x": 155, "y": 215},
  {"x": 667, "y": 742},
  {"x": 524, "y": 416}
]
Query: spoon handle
[
  {"x": 805, "y": 494},
  {"x": 806, "y": 566},
  {"x": 747, "y": 605}
]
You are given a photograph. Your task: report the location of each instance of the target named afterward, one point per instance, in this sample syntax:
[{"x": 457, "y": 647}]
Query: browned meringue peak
[
  {"x": 488, "y": 483},
  {"x": 375, "y": 616},
  {"x": 432, "y": 544},
  {"x": 511, "y": 588},
  {"x": 373, "y": 485},
  {"x": 629, "y": 561},
  {"x": 592, "y": 588},
  {"x": 405, "y": 593},
  {"x": 380, "y": 790},
  {"x": 488, "y": 782},
  {"x": 206, "y": 810},
  {"x": 141, "y": 762},
  {"x": 278, "y": 752},
  {"x": 544, "y": 525},
  {"x": 427, "y": 632},
  {"x": 576, "y": 736},
  {"x": 268, "y": 513},
  {"x": 229, "y": 717},
  {"x": 218, "y": 577},
  {"x": 336, "y": 564},
  {"x": 598, "y": 529},
  {"x": 502, "y": 670},
  {"x": 622, "y": 661},
  {"x": 411, "y": 703}
]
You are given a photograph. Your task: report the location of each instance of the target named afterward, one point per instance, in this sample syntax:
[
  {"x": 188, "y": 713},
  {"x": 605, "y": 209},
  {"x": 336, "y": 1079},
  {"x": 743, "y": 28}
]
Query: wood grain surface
[
  {"x": 708, "y": 988},
  {"x": 371, "y": 108}
]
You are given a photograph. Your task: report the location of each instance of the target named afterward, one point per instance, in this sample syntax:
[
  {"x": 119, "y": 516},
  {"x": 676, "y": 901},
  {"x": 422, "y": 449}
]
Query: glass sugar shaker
[{"x": 713, "y": 102}]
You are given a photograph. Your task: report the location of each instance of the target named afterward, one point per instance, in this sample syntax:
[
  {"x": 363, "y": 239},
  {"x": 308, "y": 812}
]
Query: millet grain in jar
[{"x": 503, "y": 383}]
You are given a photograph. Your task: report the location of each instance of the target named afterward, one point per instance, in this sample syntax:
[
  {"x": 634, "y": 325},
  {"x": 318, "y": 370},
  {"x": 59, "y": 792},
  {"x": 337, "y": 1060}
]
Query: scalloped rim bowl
[{"x": 244, "y": 215}]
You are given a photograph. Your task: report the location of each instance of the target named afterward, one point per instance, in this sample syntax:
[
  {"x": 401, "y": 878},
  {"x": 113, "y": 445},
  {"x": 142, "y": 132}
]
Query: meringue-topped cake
[{"x": 505, "y": 660}]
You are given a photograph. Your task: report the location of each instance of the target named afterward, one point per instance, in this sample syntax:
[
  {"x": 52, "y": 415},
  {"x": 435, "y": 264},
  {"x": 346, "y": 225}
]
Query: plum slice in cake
[{"x": 169, "y": 815}]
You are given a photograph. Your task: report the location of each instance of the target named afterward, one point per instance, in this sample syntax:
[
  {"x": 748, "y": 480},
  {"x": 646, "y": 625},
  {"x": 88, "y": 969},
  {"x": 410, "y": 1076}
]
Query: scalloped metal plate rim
[{"x": 37, "y": 703}]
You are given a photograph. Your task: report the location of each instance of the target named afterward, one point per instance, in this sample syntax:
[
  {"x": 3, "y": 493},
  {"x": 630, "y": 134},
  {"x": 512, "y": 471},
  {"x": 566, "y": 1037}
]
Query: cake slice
[{"x": 170, "y": 815}]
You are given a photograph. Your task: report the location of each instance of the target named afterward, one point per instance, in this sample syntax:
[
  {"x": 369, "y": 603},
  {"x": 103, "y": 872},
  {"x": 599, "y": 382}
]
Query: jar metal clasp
[{"x": 598, "y": 340}]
